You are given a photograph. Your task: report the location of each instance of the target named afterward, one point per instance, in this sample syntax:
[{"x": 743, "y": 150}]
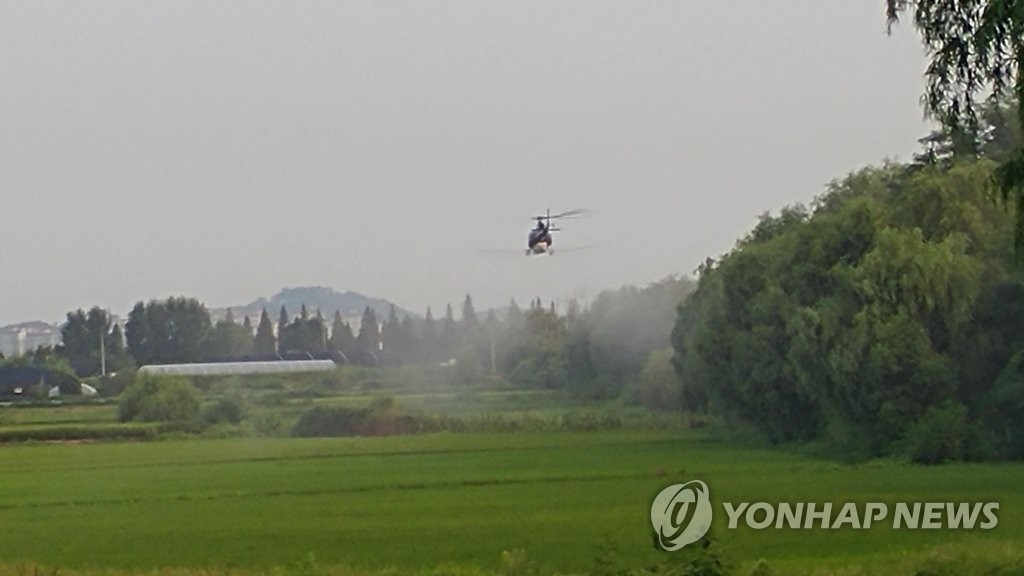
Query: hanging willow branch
[{"x": 976, "y": 52}]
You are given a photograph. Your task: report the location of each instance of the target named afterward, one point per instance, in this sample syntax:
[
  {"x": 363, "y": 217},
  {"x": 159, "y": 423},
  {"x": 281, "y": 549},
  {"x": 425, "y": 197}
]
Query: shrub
[
  {"x": 230, "y": 410},
  {"x": 706, "y": 558},
  {"x": 589, "y": 421},
  {"x": 944, "y": 433},
  {"x": 80, "y": 432},
  {"x": 1005, "y": 410},
  {"x": 540, "y": 371},
  {"x": 114, "y": 385},
  {"x": 268, "y": 424},
  {"x": 273, "y": 399},
  {"x": 159, "y": 399},
  {"x": 381, "y": 418},
  {"x": 468, "y": 367},
  {"x": 657, "y": 387},
  {"x": 334, "y": 380},
  {"x": 264, "y": 382},
  {"x": 515, "y": 562}
]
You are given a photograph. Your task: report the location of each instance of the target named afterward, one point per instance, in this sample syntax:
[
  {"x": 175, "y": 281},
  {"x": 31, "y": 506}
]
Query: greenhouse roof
[{"x": 229, "y": 368}]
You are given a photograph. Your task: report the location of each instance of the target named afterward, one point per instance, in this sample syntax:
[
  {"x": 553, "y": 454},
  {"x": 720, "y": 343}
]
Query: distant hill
[{"x": 326, "y": 300}]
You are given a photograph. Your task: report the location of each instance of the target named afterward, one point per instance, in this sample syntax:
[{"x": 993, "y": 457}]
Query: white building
[{"x": 18, "y": 339}]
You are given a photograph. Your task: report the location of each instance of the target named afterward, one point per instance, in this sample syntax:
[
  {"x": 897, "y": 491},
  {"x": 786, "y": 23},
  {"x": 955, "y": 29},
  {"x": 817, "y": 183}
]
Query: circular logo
[{"x": 681, "y": 514}]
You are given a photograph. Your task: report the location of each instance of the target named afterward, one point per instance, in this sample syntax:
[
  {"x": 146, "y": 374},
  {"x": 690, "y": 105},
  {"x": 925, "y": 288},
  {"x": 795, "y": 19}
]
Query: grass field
[{"x": 417, "y": 503}]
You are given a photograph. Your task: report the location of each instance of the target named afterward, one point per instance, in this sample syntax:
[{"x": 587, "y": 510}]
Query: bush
[
  {"x": 380, "y": 419},
  {"x": 515, "y": 562},
  {"x": 264, "y": 383},
  {"x": 268, "y": 424},
  {"x": 75, "y": 432},
  {"x": 705, "y": 558},
  {"x": 1005, "y": 410},
  {"x": 273, "y": 399},
  {"x": 657, "y": 387},
  {"x": 230, "y": 410},
  {"x": 114, "y": 385},
  {"x": 333, "y": 381},
  {"x": 540, "y": 371},
  {"x": 589, "y": 421},
  {"x": 468, "y": 367},
  {"x": 944, "y": 433},
  {"x": 159, "y": 399}
]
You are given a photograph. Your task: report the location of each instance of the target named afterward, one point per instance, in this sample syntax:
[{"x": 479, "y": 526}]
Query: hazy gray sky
[{"x": 224, "y": 150}]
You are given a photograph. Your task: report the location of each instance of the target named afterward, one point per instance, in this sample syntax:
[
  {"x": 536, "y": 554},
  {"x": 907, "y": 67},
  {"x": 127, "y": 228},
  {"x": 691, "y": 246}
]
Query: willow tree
[{"x": 976, "y": 53}]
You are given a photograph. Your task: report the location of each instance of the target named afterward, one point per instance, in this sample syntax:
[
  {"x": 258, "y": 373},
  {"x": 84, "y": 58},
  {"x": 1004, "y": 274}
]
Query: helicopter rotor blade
[
  {"x": 587, "y": 247},
  {"x": 569, "y": 213},
  {"x": 566, "y": 214}
]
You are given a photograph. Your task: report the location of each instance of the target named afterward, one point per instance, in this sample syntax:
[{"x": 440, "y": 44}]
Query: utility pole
[
  {"x": 494, "y": 367},
  {"x": 103, "y": 352}
]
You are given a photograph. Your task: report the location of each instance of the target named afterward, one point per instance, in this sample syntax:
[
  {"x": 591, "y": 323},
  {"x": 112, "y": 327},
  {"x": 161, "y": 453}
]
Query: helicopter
[{"x": 539, "y": 241}]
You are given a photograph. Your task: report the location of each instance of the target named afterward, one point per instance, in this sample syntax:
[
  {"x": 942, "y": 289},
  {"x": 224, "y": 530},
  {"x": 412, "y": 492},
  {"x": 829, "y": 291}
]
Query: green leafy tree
[
  {"x": 1003, "y": 409},
  {"x": 397, "y": 339},
  {"x": 167, "y": 332},
  {"x": 657, "y": 386},
  {"x": 975, "y": 50},
  {"x": 305, "y": 334},
  {"x": 858, "y": 320},
  {"x": 143, "y": 342},
  {"x": 90, "y": 340},
  {"x": 229, "y": 341},
  {"x": 159, "y": 399},
  {"x": 974, "y": 47},
  {"x": 189, "y": 326},
  {"x": 539, "y": 360}
]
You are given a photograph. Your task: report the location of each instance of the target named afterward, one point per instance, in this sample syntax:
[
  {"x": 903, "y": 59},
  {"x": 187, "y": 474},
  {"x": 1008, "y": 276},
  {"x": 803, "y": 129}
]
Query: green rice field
[{"x": 419, "y": 504}]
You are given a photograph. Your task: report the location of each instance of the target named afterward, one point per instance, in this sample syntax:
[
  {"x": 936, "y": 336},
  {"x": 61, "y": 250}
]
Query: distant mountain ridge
[{"x": 316, "y": 298}]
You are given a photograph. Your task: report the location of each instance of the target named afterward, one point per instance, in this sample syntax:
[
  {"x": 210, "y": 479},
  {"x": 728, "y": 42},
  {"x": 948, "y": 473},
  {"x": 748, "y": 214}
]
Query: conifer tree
[
  {"x": 369, "y": 332},
  {"x": 265, "y": 343},
  {"x": 449, "y": 334},
  {"x": 428, "y": 339}
]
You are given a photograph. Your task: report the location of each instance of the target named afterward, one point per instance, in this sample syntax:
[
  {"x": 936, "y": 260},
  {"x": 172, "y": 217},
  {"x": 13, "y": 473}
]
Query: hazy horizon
[{"x": 227, "y": 150}]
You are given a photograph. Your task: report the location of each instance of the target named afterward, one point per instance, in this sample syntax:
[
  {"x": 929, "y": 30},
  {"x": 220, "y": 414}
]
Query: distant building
[{"x": 19, "y": 339}]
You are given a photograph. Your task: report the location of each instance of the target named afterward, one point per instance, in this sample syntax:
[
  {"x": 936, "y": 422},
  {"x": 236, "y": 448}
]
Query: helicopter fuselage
[
  {"x": 539, "y": 248},
  {"x": 539, "y": 242}
]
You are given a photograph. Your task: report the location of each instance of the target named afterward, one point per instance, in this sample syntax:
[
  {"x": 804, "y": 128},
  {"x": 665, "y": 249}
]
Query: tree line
[
  {"x": 889, "y": 315},
  {"x": 594, "y": 351},
  {"x": 181, "y": 330}
]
